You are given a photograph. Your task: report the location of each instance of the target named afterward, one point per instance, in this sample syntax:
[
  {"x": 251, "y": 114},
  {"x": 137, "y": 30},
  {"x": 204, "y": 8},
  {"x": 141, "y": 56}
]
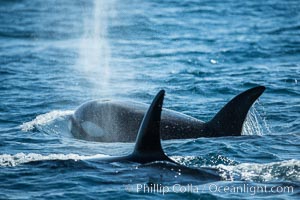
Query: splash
[
  {"x": 255, "y": 123},
  {"x": 45, "y": 119},
  {"x": 231, "y": 170},
  {"x": 198, "y": 161},
  {"x": 286, "y": 170},
  {"x": 94, "y": 49},
  {"x": 7, "y": 160}
]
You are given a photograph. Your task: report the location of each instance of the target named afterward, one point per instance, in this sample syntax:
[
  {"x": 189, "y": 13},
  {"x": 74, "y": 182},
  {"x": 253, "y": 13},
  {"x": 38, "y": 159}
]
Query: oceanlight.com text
[{"x": 211, "y": 188}]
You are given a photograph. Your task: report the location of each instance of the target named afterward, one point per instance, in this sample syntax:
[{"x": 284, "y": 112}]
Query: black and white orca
[
  {"x": 148, "y": 147},
  {"x": 119, "y": 121}
]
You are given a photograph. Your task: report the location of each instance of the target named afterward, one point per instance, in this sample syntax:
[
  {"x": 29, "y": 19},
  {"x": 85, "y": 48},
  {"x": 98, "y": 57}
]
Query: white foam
[
  {"x": 287, "y": 170},
  {"x": 21, "y": 158},
  {"x": 255, "y": 123},
  {"x": 45, "y": 119}
]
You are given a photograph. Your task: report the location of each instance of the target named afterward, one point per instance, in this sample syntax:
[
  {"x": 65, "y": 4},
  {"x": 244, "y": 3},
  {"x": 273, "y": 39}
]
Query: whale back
[
  {"x": 111, "y": 121},
  {"x": 119, "y": 121}
]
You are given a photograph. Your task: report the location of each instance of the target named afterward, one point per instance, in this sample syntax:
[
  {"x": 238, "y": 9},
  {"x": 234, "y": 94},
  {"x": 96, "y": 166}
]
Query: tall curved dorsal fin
[
  {"x": 230, "y": 119},
  {"x": 148, "y": 146}
]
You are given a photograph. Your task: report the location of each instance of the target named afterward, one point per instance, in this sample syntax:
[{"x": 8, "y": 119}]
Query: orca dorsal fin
[
  {"x": 230, "y": 119},
  {"x": 148, "y": 144}
]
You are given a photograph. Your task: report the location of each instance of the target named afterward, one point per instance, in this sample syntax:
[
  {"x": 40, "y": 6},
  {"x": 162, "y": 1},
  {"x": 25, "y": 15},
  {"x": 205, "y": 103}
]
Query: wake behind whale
[{"x": 119, "y": 121}]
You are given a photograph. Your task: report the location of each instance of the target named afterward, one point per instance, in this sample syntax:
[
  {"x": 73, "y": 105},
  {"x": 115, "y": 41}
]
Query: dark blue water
[{"x": 55, "y": 55}]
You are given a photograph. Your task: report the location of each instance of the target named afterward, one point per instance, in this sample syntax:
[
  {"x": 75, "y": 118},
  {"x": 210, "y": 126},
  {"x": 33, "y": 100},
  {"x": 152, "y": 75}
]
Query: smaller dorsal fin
[
  {"x": 148, "y": 146},
  {"x": 230, "y": 119}
]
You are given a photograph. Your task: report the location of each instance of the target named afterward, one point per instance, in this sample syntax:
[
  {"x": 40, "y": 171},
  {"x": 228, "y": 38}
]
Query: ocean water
[{"x": 55, "y": 55}]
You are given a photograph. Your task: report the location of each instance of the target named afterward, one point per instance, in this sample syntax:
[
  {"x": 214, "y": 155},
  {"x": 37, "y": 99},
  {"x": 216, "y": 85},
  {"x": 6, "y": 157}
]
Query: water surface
[{"x": 55, "y": 55}]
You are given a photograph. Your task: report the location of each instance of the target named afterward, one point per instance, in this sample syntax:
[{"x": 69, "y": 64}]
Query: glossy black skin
[
  {"x": 119, "y": 121},
  {"x": 148, "y": 144}
]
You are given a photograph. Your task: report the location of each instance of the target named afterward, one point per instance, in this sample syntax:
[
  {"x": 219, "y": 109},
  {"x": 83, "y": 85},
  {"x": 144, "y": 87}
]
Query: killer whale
[
  {"x": 148, "y": 147},
  {"x": 119, "y": 121}
]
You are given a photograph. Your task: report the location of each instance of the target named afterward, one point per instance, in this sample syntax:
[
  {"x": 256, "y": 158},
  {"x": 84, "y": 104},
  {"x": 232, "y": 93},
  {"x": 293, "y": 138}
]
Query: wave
[
  {"x": 7, "y": 160},
  {"x": 45, "y": 119},
  {"x": 231, "y": 170},
  {"x": 286, "y": 170}
]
